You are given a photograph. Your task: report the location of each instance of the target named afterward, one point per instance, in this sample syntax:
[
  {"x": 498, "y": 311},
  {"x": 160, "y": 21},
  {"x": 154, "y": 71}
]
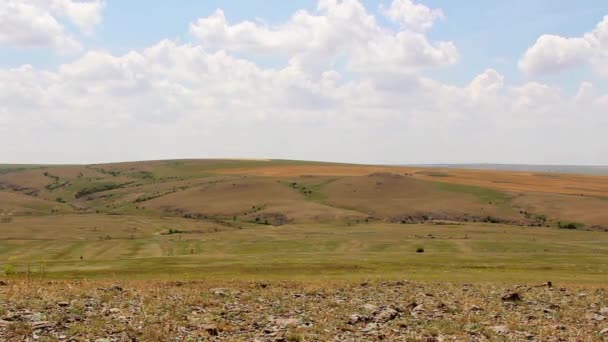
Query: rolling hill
[{"x": 277, "y": 192}]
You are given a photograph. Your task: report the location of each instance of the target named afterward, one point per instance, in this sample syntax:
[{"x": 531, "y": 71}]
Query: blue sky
[
  {"x": 478, "y": 71},
  {"x": 487, "y": 33}
]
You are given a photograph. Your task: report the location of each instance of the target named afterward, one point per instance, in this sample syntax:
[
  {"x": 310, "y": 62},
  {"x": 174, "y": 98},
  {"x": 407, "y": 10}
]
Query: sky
[{"x": 386, "y": 82}]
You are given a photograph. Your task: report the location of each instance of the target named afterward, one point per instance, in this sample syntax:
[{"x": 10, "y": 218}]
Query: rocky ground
[{"x": 253, "y": 311}]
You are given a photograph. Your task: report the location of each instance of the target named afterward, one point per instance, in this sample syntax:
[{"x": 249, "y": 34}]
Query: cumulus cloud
[
  {"x": 86, "y": 15},
  {"x": 38, "y": 23},
  {"x": 412, "y": 15},
  {"x": 552, "y": 53},
  {"x": 203, "y": 99},
  {"x": 488, "y": 82},
  {"x": 339, "y": 29},
  {"x": 180, "y": 100}
]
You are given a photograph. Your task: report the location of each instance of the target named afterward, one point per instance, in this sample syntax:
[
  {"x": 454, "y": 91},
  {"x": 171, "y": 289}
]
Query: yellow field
[{"x": 271, "y": 218}]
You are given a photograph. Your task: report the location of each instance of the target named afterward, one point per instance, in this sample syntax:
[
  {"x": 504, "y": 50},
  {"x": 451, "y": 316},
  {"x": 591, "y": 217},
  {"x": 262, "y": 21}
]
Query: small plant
[
  {"x": 419, "y": 250},
  {"x": 173, "y": 231},
  {"x": 9, "y": 268}
]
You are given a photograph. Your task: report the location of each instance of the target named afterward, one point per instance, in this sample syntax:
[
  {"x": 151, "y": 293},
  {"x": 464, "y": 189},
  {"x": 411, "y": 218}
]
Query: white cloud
[
  {"x": 180, "y": 100},
  {"x": 488, "y": 82},
  {"x": 174, "y": 100},
  {"x": 553, "y": 53},
  {"x": 338, "y": 30},
  {"x": 38, "y": 23},
  {"x": 86, "y": 15},
  {"x": 412, "y": 15}
]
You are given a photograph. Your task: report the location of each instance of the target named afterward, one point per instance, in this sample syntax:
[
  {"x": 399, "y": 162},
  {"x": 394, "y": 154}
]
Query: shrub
[
  {"x": 9, "y": 268},
  {"x": 569, "y": 225}
]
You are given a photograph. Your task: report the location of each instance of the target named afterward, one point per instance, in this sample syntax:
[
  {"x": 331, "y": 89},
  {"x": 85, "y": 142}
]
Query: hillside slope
[{"x": 277, "y": 192}]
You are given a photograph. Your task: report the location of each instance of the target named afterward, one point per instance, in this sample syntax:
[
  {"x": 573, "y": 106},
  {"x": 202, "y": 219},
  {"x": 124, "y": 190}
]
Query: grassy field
[
  {"x": 276, "y": 250},
  {"x": 286, "y": 220},
  {"x": 101, "y": 246}
]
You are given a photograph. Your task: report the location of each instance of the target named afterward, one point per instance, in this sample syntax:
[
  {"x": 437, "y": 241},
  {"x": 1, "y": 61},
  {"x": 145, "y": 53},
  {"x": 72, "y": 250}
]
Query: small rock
[
  {"x": 114, "y": 311},
  {"x": 41, "y": 325},
  {"x": 511, "y": 297},
  {"x": 37, "y": 317},
  {"x": 604, "y": 311},
  {"x": 3, "y": 283},
  {"x": 370, "y": 327},
  {"x": 604, "y": 332},
  {"x": 63, "y": 304},
  {"x": 596, "y": 317},
  {"x": 211, "y": 329},
  {"x": 287, "y": 322},
  {"x": 354, "y": 319},
  {"x": 418, "y": 308},
  {"x": 385, "y": 315},
  {"x": 370, "y": 307},
  {"x": 219, "y": 292},
  {"x": 500, "y": 329}
]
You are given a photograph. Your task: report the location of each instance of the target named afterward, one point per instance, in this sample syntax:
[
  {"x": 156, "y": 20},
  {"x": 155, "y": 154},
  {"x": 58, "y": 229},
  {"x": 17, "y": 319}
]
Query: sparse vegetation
[
  {"x": 570, "y": 225},
  {"x": 292, "y": 251},
  {"x": 392, "y": 310},
  {"x": 99, "y": 188}
]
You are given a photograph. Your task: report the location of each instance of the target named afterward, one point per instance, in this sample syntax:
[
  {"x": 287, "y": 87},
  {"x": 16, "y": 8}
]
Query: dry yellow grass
[
  {"x": 292, "y": 311},
  {"x": 502, "y": 180}
]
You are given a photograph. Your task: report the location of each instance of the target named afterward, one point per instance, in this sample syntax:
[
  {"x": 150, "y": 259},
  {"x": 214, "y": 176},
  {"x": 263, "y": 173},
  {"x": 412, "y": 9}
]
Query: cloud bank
[{"x": 348, "y": 89}]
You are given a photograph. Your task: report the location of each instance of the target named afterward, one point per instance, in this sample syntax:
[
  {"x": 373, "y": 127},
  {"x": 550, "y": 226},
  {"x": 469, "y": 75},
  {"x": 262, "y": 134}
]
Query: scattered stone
[
  {"x": 37, "y": 317},
  {"x": 385, "y": 314},
  {"x": 370, "y": 307},
  {"x": 370, "y": 327},
  {"x": 116, "y": 288},
  {"x": 302, "y": 313},
  {"x": 219, "y": 292},
  {"x": 41, "y": 325},
  {"x": 3, "y": 283},
  {"x": 210, "y": 329},
  {"x": 287, "y": 322},
  {"x": 500, "y": 329},
  {"x": 511, "y": 297},
  {"x": 596, "y": 317},
  {"x": 354, "y": 319},
  {"x": 418, "y": 308}
]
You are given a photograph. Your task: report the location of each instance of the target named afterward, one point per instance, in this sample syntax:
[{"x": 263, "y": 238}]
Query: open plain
[{"x": 300, "y": 251}]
